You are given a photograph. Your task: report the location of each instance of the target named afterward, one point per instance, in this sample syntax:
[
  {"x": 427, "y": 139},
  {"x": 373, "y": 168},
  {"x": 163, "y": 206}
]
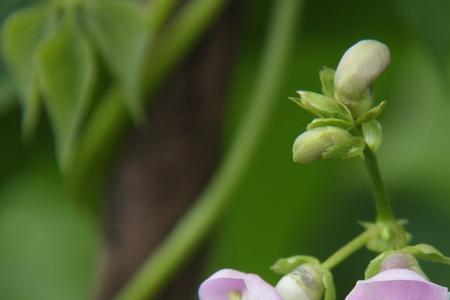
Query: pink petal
[
  {"x": 397, "y": 284},
  {"x": 258, "y": 289},
  {"x": 220, "y": 284}
]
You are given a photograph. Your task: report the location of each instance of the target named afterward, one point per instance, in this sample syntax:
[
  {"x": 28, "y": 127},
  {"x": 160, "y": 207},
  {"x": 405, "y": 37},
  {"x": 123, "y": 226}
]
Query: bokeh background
[{"x": 50, "y": 241}]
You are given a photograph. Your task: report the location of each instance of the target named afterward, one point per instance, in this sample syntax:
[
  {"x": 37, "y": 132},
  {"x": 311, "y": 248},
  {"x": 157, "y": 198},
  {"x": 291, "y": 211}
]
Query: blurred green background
[{"x": 49, "y": 242}]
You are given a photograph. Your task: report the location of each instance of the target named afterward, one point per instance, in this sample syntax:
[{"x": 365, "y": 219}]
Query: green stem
[
  {"x": 187, "y": 234},
  {"x": 350, "y": 248},
  {"x": 383, "y": 205}
]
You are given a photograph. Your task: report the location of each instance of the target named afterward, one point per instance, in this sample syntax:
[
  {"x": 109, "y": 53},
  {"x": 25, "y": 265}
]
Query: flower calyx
[
  {"x": 304, "y": 279},
  {"x": 392, "y": 235}
]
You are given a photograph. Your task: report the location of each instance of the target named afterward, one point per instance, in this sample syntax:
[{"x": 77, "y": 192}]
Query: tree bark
[{"x": 167, "y": 162}]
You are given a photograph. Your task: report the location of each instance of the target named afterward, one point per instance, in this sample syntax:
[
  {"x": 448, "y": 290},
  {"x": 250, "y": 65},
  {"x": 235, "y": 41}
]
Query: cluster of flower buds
[
  {"x": 393, "y": 275},
  {"x": 345, "y": 125},
  {"x": 344, "y": 107}
]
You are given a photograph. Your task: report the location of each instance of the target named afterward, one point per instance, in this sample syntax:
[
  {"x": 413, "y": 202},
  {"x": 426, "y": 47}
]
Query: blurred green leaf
[
  {"x": 286, "y": 265},
  {"x": 22, "y": 34},
  {"x": 66, "y": 71},
  {"x": 7, "y": 95},
  {"x": 120, "y": 31},
  {"x": 428, "y": 252},
  {"x": 48, "y": 243},
  {"x": 373, "y": 134}
]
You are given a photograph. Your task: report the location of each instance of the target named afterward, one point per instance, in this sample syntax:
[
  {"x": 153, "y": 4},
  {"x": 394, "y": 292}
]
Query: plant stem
[
  {"x": 350, "y": 248},
  {"x": 187, "y": 234},
  {"x": 383, "y": 205}
]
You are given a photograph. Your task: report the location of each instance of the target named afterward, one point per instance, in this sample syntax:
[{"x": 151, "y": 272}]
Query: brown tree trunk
[{"x": 166, "y": 163}]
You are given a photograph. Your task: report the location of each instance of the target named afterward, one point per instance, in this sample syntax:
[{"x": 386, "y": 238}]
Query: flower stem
[
  {"x": 187, "y": 234},
  {"x": 350, "y": 248},
  {"x": 383, "y": 205}
]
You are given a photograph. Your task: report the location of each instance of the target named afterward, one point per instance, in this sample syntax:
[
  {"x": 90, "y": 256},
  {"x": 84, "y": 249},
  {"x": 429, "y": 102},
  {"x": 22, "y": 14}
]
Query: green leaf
[
  {"x": 372, "y": 114},
  {"x": 22, "y": 34},
  {"x": 7, "y": 96},
  {"x": 373, "y": 134},
  {"x": 327, "y": 81},
  {"x": 286, "y": 265},
  {"x": 427, "y": 252},
  {"x": 321, "y": 122},
  {"x": 328, "y": 283},
  {"x": 374, "y": 266},
  {"x": 347, "y": 148},
  {"x": 119, "y": 29},
  {"x": 67, "y": 72}
]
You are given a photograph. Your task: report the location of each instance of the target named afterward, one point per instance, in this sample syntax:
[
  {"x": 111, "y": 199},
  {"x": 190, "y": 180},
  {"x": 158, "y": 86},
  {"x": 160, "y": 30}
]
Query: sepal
[
  {"x": 392, "y": 236},
  {"x": 286, "y": 265},
  {"x": 427, "y": 252},
  {"x": 373, "y": 134},
  {"x": 327, "y": 81},
  {"x": 328, "y": 283},
  {"x": 321, "y": 106},
  {"x": 371, "y": 114},
  {"x": 348, "y": 148},
  {"x": 322, "y": 122},
  {"x": 396, "y": 259}
]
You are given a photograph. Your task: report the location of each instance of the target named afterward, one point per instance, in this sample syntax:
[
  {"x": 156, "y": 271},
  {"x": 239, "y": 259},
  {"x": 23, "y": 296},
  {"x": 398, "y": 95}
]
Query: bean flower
[
  {"x": 230, "y": 284},
  {"x": 396, "y": 284}
]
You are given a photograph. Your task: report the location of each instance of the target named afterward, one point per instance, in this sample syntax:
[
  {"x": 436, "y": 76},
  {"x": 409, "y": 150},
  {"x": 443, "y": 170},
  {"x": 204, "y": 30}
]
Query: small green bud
[
  {"x": 304, "y": 283},
  {"x": 310, "y": 145},
  {"x": 358, "y": 68}
]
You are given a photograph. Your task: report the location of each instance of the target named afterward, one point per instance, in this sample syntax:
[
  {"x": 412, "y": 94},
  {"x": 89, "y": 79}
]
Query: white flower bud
[
  {"x": 360, "y": 65},
  {"x": 310, "y": 145},
  {"x": 304, "y": 283}
]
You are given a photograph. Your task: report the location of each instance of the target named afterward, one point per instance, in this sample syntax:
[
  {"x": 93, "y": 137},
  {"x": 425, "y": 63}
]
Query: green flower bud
[
  {"x": 358, "y": 68},
  {"x": 304, "y": 283},
  {"x": 310, "y": 145}
]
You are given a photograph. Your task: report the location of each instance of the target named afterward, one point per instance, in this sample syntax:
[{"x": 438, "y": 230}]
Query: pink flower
[
  {"x": 229, "y": 284},
  {"x": 397, "y": 284}
]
